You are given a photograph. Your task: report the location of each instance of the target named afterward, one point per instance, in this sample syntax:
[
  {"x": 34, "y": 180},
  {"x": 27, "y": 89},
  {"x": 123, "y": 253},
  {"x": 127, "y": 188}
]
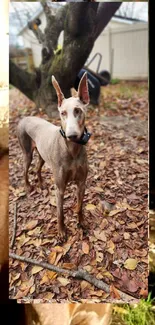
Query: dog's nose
[{"x": 72, "y": 136}]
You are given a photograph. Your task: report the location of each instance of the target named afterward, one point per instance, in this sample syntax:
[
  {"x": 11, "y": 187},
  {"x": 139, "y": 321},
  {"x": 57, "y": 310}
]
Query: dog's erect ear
[
  {"x": 74, "y": 93},
  {"x": 60, "y": 95},
  {"x": 84, "y": 318},
  {"x": 83, "y": 92}
]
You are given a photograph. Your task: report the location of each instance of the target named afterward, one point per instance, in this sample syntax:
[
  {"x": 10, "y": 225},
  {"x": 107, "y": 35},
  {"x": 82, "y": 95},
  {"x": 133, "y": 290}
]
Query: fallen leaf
[
  {"x": 69, "y": 266},
  {"x": 51, "y": 275},
  {"x": 100, "y": 235},
  {"x": 53, "y": 201},
  {"x": 98, "y": 189},
  {"x": 126, "y": 235},
  {"x": 52, "y": 257},
  {"x": 44, "y": 279},
  {"x": 99, "y": 257},
  {"x": 85, "y": 248},
  {"x": 58, "y": 249},
  {"x": 114, "y": 292},
  {"x": 90, "y": 207},
  {"x": 63, "y": 281},
  {"x": 36, "y": 269},
  {"x": 130, "y": 264},
  {"x": 110, "y": 247},
  {"x": 27, "y": 284},
  {"x": 31, "y": 225}
]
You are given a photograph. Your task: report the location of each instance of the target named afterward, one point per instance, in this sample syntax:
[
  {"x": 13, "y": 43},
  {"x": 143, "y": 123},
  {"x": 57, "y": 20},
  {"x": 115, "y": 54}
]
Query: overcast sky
[
  {"x": 141, "y": 8},
  {"x": 134, "y": 9}
]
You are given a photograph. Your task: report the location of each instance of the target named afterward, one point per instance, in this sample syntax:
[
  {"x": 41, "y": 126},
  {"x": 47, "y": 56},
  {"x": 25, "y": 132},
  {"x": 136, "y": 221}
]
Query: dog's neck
[{"x": 73, "y": 148}]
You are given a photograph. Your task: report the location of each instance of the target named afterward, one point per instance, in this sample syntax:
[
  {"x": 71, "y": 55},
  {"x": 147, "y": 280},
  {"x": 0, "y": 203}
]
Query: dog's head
[{"x": 73, "y": 109}]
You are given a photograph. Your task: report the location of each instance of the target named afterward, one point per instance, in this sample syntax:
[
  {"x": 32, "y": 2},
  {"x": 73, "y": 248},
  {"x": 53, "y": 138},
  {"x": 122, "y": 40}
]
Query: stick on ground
[{"x": 79, "y": 274}]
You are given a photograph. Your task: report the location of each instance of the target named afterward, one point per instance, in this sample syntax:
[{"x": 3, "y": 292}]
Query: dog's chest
[{"x": 76, "y": 171}]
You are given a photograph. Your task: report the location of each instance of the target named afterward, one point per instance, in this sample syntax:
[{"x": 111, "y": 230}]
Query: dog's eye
[
  {"x": 63, "y": 113},
  {"x": 76, "y": 111}
]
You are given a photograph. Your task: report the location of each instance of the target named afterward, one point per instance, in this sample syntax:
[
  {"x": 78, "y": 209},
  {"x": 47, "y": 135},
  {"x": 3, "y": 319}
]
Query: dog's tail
[{"x": 24, "y": 139}]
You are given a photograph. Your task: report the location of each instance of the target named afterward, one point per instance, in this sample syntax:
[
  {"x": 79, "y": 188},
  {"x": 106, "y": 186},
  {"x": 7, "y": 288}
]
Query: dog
[{"x": 63, "y": 149}]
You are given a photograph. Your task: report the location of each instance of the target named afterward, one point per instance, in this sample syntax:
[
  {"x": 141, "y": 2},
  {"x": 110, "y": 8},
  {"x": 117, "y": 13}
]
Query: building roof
[
  {"x": 117, "y": 18},
  {"x": 128, "y": 19}
]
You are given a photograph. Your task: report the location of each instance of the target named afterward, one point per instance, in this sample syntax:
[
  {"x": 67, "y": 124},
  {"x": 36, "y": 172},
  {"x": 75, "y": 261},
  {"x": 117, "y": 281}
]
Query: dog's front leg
[
  {"x": 80, "y": 196},
  {"x": 60, "y": 214}
]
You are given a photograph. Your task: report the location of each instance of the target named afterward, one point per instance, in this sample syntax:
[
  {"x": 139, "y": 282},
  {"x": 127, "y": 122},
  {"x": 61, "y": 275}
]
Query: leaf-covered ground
[{"x": 114, "y": 247}]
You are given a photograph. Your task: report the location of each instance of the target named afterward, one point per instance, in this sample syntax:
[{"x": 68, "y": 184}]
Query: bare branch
[
  {"x": 47, "y": 10},
  {"x": 55, "y": 24},
  {"x": 79, "y": 274},
  {"x": 105, "y": 12}
]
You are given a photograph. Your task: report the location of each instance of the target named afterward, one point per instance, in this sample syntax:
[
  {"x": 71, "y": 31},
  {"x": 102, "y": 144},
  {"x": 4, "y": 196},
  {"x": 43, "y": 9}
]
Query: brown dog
[
  {"x": 69, "y": 314},
  {"x": 63, "y": 149}
]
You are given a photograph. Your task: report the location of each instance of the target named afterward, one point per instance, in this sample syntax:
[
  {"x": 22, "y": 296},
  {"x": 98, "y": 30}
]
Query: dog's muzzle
[{"x": 83, "y": 140}]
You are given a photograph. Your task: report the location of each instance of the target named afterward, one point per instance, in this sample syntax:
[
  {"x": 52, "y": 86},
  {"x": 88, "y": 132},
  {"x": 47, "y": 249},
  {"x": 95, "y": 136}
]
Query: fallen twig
[
  {"x": 79, "y": 274},
  {"x": 14, "y": 226}
]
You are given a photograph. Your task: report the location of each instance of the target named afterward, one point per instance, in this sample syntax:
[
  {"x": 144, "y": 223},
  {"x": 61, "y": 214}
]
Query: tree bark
[
  {"x": 22, "y": 80},
  {"x": 82, "y": 23}
]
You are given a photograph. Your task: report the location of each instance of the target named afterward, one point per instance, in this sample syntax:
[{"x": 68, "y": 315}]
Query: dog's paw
[
  {"x": 62, "y": 233},
  {"x": 29, "y": 188}
]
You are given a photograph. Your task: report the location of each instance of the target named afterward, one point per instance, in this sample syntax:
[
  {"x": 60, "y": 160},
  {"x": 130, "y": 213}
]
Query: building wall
[{"x": 124, "y": 49}]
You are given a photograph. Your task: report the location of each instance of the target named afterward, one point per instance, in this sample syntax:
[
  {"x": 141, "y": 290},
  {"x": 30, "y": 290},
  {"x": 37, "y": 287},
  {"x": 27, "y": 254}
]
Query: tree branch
[
  {"x": 81, "y": 18},
  {"x": 54, "y": 26},
  {"x": 79, "y": 274},
  {"x": 22, "y": 80},
  {"x": 105, "y": 12}
]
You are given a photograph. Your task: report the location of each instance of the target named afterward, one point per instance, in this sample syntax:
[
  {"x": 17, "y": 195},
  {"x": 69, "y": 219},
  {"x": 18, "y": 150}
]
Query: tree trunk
[{"x": 82, "y": 23}]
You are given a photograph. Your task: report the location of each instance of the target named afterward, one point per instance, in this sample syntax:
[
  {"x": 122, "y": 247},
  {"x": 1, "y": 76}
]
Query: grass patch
[
  {"x": 115, "y": 81},
  {"x": 140, "y": 314}
]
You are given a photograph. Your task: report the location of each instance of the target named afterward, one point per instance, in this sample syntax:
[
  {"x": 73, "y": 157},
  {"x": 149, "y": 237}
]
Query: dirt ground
[{"x": 114, "y": 247}]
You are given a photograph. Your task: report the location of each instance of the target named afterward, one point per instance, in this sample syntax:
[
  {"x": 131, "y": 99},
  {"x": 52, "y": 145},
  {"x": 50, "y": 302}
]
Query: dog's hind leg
[
  {"x": 40, "y": 165},
  {"x": 27, "y": 148},
  {"x": 27, "y": 162}
]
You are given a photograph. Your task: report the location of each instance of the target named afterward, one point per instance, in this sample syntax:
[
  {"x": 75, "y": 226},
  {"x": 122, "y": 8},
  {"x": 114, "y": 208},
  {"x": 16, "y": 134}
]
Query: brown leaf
[
  {"x": 63, "y": 281},
  {"x": 69, "y": 266},
  {"x": 110, "y": 247},
  {"x": 126, "y": 235},
  {"x": 114, "y": 292},
  {"x": 100, "y": 235},
  {"x": 36, "y": 269},
  {"x": 52, "y": 257},
  {"x": 85, "y": 248}
]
